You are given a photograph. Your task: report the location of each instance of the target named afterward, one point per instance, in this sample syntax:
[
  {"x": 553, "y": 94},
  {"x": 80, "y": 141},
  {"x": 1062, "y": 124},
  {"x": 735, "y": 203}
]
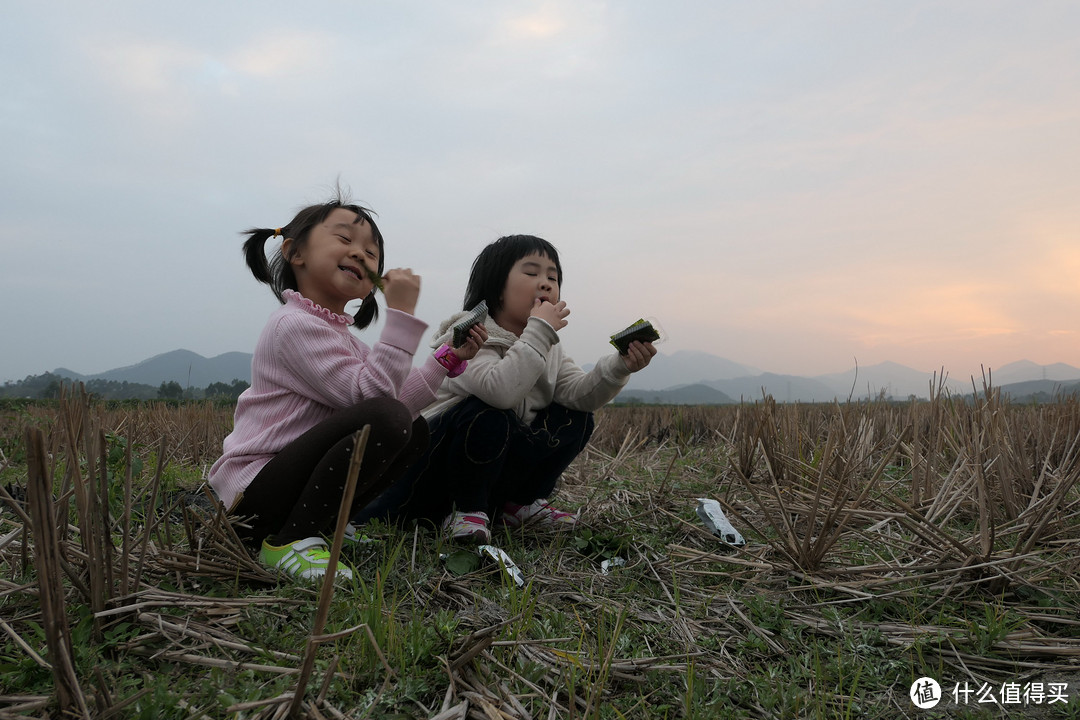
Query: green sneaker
[{"x": 306, "y": 559}]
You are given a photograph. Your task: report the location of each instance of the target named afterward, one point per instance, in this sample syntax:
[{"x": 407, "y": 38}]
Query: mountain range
[
  {"x": 670, "y": 378},
  {"x": 683, "y": 377},
  {"x": 182, "y": 366}
]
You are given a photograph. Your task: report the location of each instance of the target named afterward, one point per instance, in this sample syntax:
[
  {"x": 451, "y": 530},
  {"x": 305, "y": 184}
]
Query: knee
[
  {"x": 566, "y": 422},
  {"x": 472, "y": 412},
  {"x": 569, "y": 414},
  {"x": 391, "y": 422},
  {"x": 487, "y": 434}
]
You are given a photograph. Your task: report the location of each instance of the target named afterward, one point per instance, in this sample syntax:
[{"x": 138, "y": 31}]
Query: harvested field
[{"x": 885, "y": 543}]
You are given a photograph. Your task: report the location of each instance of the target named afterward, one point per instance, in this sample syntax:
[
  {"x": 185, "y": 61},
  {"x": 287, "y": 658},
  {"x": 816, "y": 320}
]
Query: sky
[{"x": 794, "y": 186}]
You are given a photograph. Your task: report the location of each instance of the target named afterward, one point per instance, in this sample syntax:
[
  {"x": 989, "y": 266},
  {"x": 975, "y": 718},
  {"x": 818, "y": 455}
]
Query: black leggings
[
  {"x": 481, "y": 457},
  {"x": 298, "y": 493}
]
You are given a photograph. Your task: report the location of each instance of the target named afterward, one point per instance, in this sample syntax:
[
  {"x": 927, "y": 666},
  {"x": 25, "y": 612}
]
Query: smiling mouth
[
  {"x": 352, "y": 271},
  {"x": 363, "y": 272}
]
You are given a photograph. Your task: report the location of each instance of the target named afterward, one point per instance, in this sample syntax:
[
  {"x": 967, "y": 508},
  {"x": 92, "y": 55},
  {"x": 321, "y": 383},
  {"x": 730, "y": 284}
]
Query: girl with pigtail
[{"x": 314, "y": 384}]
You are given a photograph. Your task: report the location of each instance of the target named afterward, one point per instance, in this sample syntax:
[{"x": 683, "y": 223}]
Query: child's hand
[
  {"x": 477, "y": 337},
  {"x": 638, "y": 355},
  {"x": 555, "y": 315},
  {"x": 401, "y": 287}
]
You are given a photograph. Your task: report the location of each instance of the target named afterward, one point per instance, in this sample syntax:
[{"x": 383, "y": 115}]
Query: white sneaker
[
  {"x": 467, "y": 527},
  {"x": 537, "y": 513}
]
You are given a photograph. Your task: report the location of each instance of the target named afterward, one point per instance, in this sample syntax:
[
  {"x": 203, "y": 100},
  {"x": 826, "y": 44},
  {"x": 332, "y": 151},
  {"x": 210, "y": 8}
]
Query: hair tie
[{"x": 277, "y": 231}]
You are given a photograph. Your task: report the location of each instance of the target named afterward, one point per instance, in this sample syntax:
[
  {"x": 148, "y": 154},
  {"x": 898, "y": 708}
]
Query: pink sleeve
[
  {"x": 422, "y": 385},
  {"x": 333, "y": 368}
]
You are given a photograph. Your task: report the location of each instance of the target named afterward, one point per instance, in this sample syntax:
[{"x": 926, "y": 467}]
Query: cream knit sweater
[{"x": 527, "y": 373}]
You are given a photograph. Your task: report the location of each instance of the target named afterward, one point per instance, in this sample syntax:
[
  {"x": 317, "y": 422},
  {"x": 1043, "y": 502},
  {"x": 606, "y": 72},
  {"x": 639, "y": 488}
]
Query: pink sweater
[{"x": 306, "y": 366}]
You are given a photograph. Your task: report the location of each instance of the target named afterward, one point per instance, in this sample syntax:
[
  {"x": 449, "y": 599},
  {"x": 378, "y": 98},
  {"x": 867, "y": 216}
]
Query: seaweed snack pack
[
  {"x": 644, "y": 330},
  {"x": 461, "y": 327},
  {"x": 375, "y": 279}
]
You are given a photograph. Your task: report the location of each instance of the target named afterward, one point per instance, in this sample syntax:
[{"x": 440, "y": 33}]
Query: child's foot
[
  {"x": 306, "y": 559},
  {"x": 467, "y": 527},
  {"x": 537, "y": 513}
]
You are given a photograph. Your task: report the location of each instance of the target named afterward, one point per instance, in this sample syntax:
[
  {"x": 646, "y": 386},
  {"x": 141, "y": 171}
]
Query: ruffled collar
[{"x": 294, "y": 298}]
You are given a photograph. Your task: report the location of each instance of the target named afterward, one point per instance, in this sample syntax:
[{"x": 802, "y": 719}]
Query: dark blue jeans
[{"x": 481, "y": 457}]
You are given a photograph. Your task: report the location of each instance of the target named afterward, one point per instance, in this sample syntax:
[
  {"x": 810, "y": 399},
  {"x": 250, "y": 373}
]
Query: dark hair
[
  {"x": 492, "y": 266},
  {"x": 278, "y": 272}
]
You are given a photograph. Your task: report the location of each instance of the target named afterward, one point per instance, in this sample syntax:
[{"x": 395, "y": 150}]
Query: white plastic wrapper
[
  {"x": 503, "y": 559},
  {"x": 717, "y": 523},
  {"x": 608, "y": 565}
]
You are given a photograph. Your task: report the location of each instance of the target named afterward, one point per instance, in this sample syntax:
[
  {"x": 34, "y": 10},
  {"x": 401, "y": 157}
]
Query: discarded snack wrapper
[
  {"x": 461, "y": 327},
  {"x": 717, "y": 523},
  {"x": 643, "y": 330},
  {"x": 504, "y": 560},
  {"x": 607, "y": 565}
]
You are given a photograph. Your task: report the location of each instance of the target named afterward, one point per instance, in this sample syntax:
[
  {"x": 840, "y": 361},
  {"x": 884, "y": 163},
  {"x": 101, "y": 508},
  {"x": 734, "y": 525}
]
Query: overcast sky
[{"x": 790, "y": 185}]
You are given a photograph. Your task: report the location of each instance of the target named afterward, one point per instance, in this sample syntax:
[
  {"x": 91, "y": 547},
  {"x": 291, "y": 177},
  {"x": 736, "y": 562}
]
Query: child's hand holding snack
[
  {"x": 401, "y": 287},
  {"x": 475, "y": 340},
  {"x": 554, "y": 315},
  {"x": 635, "y": 343},
  {"x": 638, "y": 355}
]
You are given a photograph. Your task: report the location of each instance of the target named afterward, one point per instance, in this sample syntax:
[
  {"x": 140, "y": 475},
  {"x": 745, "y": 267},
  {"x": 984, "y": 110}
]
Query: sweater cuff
[
  {"x": 433, "y": 372},
  {"x": 402, "y": 330},
  {"x": 614, "y": 369},
  {"x": 539, "y": 335}
]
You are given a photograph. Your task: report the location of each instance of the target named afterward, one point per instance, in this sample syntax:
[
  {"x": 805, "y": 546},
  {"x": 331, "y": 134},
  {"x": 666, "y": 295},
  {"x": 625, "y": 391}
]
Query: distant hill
[
  {"x": 1039, "y": 390},
  {"x": 1025, "y": 370},
  {"x": 687, "y": 395},
  {"x": 693, "y": 374},
  {"x": 686, "y": 367},
  {"x": 783, "y": 388},
  {"x": 898, "y": 381},
  {"x": 187, "y": 368}
]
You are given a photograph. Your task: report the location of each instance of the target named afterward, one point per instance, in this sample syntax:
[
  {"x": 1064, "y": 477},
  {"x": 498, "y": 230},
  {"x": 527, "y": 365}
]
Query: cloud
[
  {"x": 145, "y": 67},
  {"x": 545, "y": 24},
  {"x": 166, "y": 80},
  {"x": 787, "y": 186},
  {"x": 280, "y": 55}
]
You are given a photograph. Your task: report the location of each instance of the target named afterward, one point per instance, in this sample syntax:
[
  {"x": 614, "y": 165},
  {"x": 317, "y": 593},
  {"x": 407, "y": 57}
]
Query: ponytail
[
  {"x": 367, "y": 313},
  {"x": 255, "y": 254}
]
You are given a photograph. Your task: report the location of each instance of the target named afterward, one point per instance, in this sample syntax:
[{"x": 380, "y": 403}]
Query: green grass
[{"x": 687, "y": 628}]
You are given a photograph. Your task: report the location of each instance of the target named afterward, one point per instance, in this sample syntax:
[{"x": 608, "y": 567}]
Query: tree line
[{"x": 48, "y": 386}]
